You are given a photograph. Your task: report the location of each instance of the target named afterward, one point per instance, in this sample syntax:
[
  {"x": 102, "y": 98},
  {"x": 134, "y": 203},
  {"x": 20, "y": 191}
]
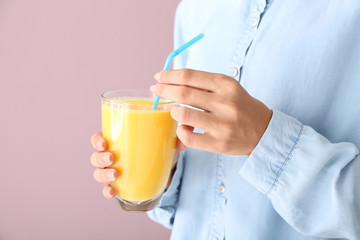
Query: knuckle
[
  {"x": 223, "y": 146},
  {"x": 104, "y": 175},
  {"x": 101, "y": 160},
  {"x": 217, "y": 80},
  {"x": 184, "y": 114},
  {"x": 185, "y": 75},
  {"x": 163, "y": 76},
  {"x": 93, "y": 159},
  {"x": 230, "y": 85},
  {"x": 159, "y": 88},
  {"x": 183, "y": 93},
  {"x": 218, "y": 77}
]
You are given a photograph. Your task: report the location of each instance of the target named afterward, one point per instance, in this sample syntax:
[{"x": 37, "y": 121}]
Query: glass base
[{"x": 141, "y": 206}]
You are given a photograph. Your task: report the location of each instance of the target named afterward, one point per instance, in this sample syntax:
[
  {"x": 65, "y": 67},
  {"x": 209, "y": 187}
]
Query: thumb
[{"x": 179, "y": 145}]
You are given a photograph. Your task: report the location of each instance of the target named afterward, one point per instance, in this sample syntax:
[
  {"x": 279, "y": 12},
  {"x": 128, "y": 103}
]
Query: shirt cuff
[{"x": 266, "y": 163}]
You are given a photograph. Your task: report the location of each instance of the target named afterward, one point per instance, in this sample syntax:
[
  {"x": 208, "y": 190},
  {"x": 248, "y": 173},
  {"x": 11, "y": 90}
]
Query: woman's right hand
[{"x": 103, "y": 160}]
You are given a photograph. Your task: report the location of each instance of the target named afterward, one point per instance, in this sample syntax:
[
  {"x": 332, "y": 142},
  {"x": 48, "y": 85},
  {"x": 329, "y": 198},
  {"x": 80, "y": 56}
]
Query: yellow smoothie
[{"x": 142, "y": 141}]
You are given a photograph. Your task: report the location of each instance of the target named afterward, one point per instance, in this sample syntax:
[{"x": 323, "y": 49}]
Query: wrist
[{"x": 262, "y": 127}]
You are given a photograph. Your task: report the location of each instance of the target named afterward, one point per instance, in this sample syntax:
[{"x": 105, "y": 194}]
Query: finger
[
  {"x": 108, "y": 192},
  {"x": 185, "y": 95},
  {"x": 194, "y": 140},
  {"x": 105, "y": 175},
  {"x": 98, "y": 142},
  {"x": 188, "y": 77},
  {"x": 192, "y": 117},
  {"x": 102, "y": 159},
  {"x": 179, "y": 145}
]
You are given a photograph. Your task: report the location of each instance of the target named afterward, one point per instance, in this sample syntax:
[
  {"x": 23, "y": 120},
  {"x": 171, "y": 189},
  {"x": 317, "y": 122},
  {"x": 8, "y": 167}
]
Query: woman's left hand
[{"x": 232, "y": 120}]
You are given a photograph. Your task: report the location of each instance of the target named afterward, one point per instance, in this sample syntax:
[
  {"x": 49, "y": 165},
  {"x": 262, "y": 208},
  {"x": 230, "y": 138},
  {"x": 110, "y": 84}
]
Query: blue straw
[{"x": 174, "y": 54}]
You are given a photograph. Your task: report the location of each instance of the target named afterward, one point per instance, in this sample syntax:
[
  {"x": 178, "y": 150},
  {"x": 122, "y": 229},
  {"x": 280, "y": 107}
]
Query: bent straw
[{"x": 174, "y": 54}]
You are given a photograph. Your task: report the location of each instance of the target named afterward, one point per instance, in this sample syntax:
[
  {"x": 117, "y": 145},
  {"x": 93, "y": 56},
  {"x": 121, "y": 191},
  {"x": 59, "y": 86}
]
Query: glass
[{"x": 142, "y": 141}]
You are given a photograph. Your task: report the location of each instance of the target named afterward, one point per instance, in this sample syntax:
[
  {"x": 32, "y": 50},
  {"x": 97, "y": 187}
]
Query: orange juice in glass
[{"x": 142, "y": 141}]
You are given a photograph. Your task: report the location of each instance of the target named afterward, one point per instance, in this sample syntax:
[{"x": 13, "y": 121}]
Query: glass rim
[{"x": 119, "y": 101}]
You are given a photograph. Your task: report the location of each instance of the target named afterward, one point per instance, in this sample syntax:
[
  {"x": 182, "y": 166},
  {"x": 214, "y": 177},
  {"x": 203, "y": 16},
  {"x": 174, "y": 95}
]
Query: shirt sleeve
[
  {"x": 312, "y": 183},
  {"x": 165, "y": 211}
]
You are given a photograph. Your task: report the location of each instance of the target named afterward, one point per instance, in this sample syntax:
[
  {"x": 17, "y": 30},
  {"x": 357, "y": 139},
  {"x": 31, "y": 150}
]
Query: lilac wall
[{"x": 56, "y": 58}]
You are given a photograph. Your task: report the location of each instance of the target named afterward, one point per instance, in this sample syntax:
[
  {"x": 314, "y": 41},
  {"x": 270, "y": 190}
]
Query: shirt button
[
  {"x": 221, "y": 188},
  {"x": 254, "y": 22},
  {"x": 234, "y": 72}
]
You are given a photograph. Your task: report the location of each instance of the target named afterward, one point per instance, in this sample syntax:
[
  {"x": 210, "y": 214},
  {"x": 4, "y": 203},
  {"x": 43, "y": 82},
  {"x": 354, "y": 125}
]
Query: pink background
[{"x": 56, "y": 58}]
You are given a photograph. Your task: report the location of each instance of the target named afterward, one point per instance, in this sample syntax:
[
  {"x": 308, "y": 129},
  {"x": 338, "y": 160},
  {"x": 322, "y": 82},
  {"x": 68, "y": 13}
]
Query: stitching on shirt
[
  {"x": 286, "y": 161},
  {"x": 215, "y": 206}
]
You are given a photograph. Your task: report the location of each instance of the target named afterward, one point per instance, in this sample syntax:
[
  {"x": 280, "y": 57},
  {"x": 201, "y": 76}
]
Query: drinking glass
[{"x": 142, "y": 141}]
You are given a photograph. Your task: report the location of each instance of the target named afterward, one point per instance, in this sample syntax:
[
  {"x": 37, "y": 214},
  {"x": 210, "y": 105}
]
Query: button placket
[
  {"x": 234, "y": 72},
  {"x": 221, "y": 188},
  {"x": 246, "y": 39},
  {"x": 218, "y": 227},
  {"x": 254, "y": 21}
]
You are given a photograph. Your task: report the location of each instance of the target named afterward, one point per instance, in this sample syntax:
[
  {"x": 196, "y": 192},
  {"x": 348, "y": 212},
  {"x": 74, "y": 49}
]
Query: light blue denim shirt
[{"x": 302, "y": 181}]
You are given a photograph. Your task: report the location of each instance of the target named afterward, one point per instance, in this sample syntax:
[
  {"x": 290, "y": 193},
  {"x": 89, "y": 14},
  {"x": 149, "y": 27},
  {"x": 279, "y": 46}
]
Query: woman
[{"x": 287, "y": 173}]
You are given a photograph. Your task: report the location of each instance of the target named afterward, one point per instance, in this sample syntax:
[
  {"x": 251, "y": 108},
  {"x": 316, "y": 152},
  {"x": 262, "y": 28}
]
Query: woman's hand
[{"x": 232, "y": 120}]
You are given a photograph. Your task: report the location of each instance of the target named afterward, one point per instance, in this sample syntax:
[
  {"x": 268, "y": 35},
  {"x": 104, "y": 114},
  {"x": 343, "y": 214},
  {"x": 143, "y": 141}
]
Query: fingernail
[
  {"x": 112, "y": 175},
  {"x": 153, "y": 88},
  {"x": 99, "y": 143},
  {"x": 108, "y": 192},
  {"x": 109, "y": 159},
  {"x": 157, "y": 76}
]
